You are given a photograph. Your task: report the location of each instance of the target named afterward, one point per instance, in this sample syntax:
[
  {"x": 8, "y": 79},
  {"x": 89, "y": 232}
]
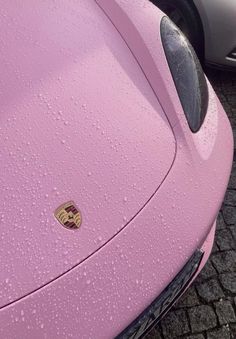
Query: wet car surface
[{"x": 208, "y": 308}]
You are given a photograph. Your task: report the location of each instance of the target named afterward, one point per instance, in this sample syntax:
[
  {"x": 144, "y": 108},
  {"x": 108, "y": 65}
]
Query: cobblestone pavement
[{"x": 208, "y": 308}]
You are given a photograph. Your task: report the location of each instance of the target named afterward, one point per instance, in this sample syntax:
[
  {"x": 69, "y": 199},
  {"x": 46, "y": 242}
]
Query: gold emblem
[{"x": 69, "y": 215}]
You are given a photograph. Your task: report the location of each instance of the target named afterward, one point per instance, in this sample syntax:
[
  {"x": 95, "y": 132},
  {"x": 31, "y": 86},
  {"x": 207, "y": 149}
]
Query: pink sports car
[{"x": 115, "y": 157}]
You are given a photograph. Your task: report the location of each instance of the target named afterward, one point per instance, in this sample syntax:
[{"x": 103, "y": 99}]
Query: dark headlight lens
[{"x": 187, "y": 73}]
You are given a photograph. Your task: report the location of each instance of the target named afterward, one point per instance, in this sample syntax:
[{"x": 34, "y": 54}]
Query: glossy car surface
[{"x": 90, "y": 114}]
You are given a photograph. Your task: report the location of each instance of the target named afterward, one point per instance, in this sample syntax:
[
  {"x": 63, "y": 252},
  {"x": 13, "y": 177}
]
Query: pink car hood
[{"x": 78, "y": 122}]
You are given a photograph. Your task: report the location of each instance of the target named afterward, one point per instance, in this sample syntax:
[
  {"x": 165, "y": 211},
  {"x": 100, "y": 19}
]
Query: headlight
[{"x": 187, "y": 73}]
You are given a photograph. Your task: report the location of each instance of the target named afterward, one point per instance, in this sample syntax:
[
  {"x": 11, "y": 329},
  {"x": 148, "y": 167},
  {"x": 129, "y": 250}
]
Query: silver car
[{"x": 210, "y": 25}]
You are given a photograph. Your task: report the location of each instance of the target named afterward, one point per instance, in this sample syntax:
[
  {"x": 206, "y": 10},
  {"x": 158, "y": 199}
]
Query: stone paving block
[
  {"x": 229, "y": 213},
  {"x": 215, "y": 247},
  {"x": 154, "y": 334},
  {"x": 225, "y": 312},
  {"x": 224, "y": 240},
  {"x": 208, "y": 271},
  {"x": 234, "y": 135},
  {"x": 233, "y": 231},
  {"x": 224, "y": 261},
  {"x": 228, "y": 281},
  {"x": 175, "y": 324},
  {"x": 210, "y": 290},
  {"x": 221, "y": 333},
  {"x": 189, "y": 299},
  {"x": 202, "y": 318},
  {"x": 196, "y": 336},
  {"x": 233, "y": 331},
  {"x": 230, "y": 198},
  {"x": 232, "y": 181},
  {"x": 220, "y": 224}
]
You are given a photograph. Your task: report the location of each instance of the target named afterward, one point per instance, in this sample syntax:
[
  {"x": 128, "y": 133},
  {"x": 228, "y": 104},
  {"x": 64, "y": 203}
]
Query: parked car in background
[
  {"x": 210, "y": 26},
  {"x": 115, "y": 157}
]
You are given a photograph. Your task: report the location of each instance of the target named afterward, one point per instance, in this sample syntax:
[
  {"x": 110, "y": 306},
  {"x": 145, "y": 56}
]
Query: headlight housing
[{"x": 187, "y": 73}]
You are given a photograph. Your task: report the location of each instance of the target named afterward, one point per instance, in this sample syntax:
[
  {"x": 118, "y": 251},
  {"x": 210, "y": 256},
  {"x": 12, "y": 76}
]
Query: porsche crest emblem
[{"x": 69, "y": 215}]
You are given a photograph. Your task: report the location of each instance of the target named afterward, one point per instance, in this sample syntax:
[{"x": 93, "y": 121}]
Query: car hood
[{"x": 79, "y": 122}]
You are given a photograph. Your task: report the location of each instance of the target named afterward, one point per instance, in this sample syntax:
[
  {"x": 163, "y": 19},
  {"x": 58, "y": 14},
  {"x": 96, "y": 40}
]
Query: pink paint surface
[
  {"x": 78, "y": 122},
  {"x": 85, "y": 106}
]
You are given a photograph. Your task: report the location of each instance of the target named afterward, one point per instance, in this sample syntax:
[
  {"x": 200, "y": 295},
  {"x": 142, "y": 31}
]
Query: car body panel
[
  {"x": 67, "y": 134},
  {"x": 105, "y": 293},
  {"x": 152, "y": 315},
  {"x": 219, "y": 22}
]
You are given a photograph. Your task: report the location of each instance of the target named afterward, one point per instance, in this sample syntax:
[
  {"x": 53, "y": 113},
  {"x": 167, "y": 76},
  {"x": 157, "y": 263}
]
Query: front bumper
[{"x": 162, "y": 304}]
